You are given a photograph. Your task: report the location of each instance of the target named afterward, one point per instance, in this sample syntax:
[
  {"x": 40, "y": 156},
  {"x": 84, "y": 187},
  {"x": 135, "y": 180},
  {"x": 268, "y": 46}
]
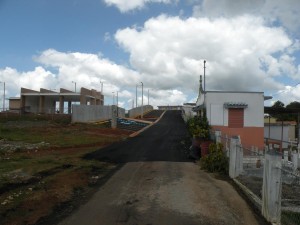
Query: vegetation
[
  {"x": 279, "y": 106},
  {"x": 42, "y": 164},
  {"x": 285, "y": 116},
  {"x": 216, "y": 160},
  {"x": 198, "y": 126}
]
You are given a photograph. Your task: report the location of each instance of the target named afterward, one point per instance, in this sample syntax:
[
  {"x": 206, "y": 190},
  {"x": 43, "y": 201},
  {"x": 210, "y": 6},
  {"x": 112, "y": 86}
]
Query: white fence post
[
  {"x": 271, "y": 190},
  {"x": 235, "y": 158},
  {"x": 218, "y": 136},
  {"x": 295, "y": 159}
]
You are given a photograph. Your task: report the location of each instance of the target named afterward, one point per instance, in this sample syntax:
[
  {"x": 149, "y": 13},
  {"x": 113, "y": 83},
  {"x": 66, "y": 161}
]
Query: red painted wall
[{"x": 250, "y": 136}]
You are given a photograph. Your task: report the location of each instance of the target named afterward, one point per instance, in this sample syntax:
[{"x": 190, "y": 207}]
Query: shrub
[
  {"x": 198, "y": 126},
  {"x": 216, "y": 160}
]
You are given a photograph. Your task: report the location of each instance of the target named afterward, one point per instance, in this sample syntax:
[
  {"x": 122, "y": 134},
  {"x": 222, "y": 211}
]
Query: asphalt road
[{"x": 158, "y": 185}]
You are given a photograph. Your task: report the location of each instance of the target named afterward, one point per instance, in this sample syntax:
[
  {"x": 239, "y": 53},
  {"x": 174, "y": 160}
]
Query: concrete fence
[
  {"x": 139, "y": 111},
  {"x": 90, "y": 113},
  {"x": 268, "y": 173}
]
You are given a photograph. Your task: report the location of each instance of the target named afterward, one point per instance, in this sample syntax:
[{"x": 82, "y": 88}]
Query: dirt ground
[
  {"x": 42, "y": 173},
  {"x": 290, "y": 192}
]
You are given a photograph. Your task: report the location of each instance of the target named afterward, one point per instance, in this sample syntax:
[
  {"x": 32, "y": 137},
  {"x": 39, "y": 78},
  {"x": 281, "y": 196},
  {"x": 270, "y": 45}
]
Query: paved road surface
[{"x": 158, "y": 185}]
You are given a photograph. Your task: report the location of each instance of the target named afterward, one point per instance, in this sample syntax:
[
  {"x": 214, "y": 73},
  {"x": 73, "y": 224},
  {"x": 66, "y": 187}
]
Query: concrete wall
[
  {"x": 138, "y": 111},
  {"x": 275, "y": 133},
  {"x": 218, "y": 115},
  {"x": 14, "y": 104},
  {"x": 31, "y": 104},
  {"x": 187, "y": 112},
  {"x": 90, "y": 113}
]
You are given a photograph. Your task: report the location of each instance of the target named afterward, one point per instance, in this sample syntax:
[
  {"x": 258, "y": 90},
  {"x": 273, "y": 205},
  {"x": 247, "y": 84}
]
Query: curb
[{"x": 145, "y": 128}]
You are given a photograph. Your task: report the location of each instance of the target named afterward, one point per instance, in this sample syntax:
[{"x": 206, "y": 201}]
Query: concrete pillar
[
  {"x": 235, "y": 158},
  {"x": 218, "y": 136},
  {"x": 42, "y": 104},
  {"x": 61, "y": 104},
  {"x": 285, "y": 156},
  {"x": 271, "y": 190},
  {"x": 69, "y": 107},
  {"x": 295, "y": 159},
  {"x": 83, "y": 100},
  {"x": 114, "y": 117},
  {"x": 22, "y": 104}
]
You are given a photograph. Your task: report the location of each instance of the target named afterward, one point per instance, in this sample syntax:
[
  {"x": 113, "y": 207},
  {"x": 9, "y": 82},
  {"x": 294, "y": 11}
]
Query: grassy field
[{"x": 42, "y": 166}]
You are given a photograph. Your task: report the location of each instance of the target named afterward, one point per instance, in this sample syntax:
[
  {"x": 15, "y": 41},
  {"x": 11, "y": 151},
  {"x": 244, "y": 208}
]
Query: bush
[
  {"x": 198, "y": 126},
  {"x": 216, "y": 160}
]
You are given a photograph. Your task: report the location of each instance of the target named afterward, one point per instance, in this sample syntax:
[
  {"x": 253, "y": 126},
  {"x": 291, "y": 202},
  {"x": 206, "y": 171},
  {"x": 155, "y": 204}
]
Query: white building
[{"x": 235, "y": 113}]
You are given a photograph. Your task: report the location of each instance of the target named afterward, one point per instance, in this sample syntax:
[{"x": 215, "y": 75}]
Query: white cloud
[
  {"x": 274, "y": 11},
  {"x": 129, "y": 5},
  {"x": 287, "y": 94},
  {"x": 87, "y": 70},
  {"x": 169, "y": 53},
  {"x": 35, "y": 79},
  {"x": 163, "y": 97}
]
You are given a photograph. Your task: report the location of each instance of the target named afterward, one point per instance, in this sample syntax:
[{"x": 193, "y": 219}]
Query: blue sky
[{"x": 250, "y": 45}]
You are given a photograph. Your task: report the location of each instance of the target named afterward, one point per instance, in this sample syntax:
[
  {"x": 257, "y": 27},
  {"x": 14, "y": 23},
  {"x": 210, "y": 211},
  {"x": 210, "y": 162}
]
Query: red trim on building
[{"x": 250, "y": 136}]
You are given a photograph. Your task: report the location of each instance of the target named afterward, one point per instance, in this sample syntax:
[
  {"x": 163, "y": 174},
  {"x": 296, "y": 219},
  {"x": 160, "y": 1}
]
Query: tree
[
  {"x": 293, "y": 105},
  {"x": 278, "y": 105}
]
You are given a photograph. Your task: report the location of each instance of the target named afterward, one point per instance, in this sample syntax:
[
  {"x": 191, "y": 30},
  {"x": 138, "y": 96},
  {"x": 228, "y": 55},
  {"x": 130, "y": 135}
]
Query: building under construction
[{"x": 49, "y": 102}]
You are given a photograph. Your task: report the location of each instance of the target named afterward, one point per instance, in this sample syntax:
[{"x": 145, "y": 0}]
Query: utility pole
[
  {"x": 75, "y": 85},
  {"x": 136, "y": 95},
  {"x": 204, "y": 76},
  {"x": 142, "y": 99},
  {"x": 3, "y": 96},
  {"x": 117, "y": 103},
  {"x": 101, "y": 87},
  {"x": 148, "y": 96},
  {"x": 113, "y": 100}
]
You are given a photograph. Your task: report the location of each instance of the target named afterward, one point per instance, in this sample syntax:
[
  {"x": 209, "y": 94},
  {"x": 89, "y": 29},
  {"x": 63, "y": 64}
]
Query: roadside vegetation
[
  {"x": 213, "y": 159},
  {"x": 42, "y": 170}
]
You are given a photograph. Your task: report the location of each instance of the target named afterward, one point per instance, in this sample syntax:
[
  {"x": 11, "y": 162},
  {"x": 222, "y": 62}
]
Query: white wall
[
  {"x": 275, "y": 133},
  {"x": 187, "y": 112},
  {"x": 90, "y": 113},
  {"x": 218, "y": 115}
]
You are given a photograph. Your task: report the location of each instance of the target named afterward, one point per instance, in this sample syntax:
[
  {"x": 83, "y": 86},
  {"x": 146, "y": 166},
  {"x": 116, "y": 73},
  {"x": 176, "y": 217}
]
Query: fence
[
  {"x": 270, "y": 177},
  {"x": 84, "y": 113}
]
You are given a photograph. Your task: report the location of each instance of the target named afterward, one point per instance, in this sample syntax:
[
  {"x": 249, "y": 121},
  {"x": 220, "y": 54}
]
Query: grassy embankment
[{"x": 41, "y": 164}]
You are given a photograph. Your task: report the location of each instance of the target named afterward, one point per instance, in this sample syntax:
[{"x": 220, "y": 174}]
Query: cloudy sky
[{"x": 249, "y": 45}]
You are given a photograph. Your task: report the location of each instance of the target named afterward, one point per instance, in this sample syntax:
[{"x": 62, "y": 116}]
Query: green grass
[{"x": 290, "y": 218}]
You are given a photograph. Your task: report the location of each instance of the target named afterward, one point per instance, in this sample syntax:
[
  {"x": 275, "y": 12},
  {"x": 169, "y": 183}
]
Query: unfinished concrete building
[{"x": 48, "y": 101}]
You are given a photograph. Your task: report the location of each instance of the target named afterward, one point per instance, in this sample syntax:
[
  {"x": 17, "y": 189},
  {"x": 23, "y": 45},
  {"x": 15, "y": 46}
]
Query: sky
[{"x": 248, "y": 45}]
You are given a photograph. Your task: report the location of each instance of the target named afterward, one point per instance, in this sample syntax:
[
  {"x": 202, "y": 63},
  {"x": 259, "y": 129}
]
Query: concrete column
[
  {"x": 235, "y": 158},
  {"x": 22, "y": 104},
  {"x": 271, "y": 191},
  {"x": 285, "y": 156},
  {"x": 83, "y": 100},
  {"x": 295, "y": 159},
  {"x": 69, "y": 107},
  {"x": 42, "y": 104},
  {"x": 218, "y": 136},
  {"x": 61, "y": 104},
  {"x": 114, "y": 117}
]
